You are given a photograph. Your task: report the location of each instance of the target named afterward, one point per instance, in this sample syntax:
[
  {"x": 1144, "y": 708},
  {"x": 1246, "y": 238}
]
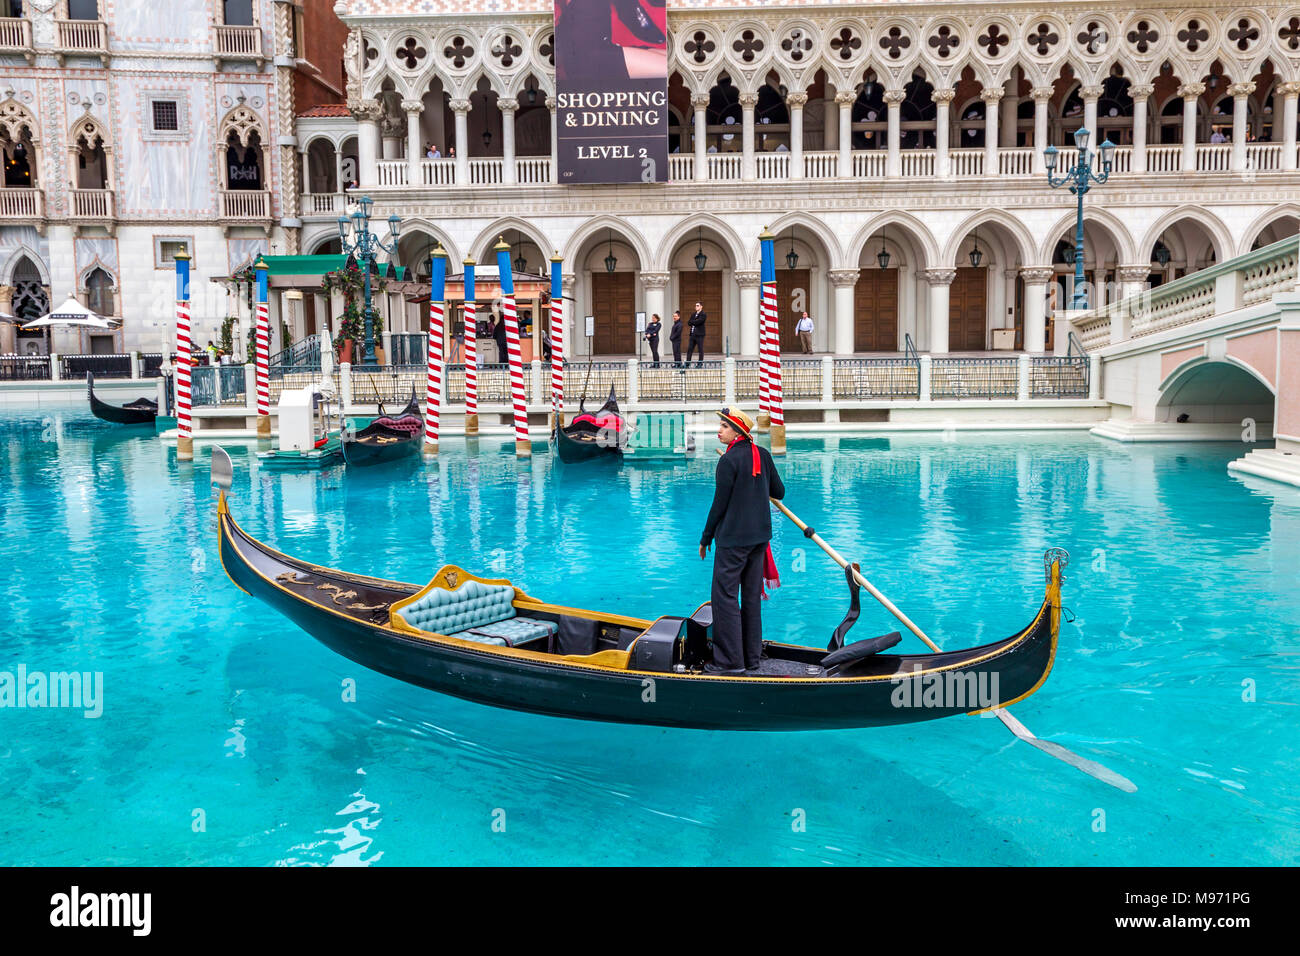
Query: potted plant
[{"x": 350, "y": 282}]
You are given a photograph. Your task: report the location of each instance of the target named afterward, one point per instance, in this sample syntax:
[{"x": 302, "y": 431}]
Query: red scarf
[{"x": 771, "y": 577}]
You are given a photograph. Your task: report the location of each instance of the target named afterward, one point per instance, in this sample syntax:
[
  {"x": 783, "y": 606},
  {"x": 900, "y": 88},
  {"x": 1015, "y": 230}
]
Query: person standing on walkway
[
  {"x": 805, "y": 330},
  {"x": 652, "y": 336},
  {"x": 499, "y": 333},
  {"x": 740, "y": 524},
  {"x": 696, "y": 322},
  {"x": 675, "y": 337}
]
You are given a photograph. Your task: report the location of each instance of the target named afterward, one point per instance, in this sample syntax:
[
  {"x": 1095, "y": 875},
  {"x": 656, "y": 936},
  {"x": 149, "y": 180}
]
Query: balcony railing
[
  {"x": 772, "y": 165},
  {"x": 15, "y": 35},
  {"x": 438, "y": 172},
  {"x": 724, "y": 166},
  {"x": 821, "y": 165},
  {"x": 22, "y": 204},
  {"x": 82, "y": 37},
  {"x": 90, "y": 204},
  {"x": 1164, "y": 159},
  {"x": 681, "y": 168},
  {"x": 322, "y": 204},
  {"x": 1264, "y": 157},
  {"x": 391, "y": 172},
  {"x": 485, "y": 172},
  {"x": 916, "y": 163},
  {"x": 245, "y": 204},
  {"x": 532, "y": 170},
  {"x": 967, "y": 162},
  {"x": 1215, "y": 158},
  {"x": 237, "y": 43},
  {"x": 1016, "y": 162},
  {"x": 869, "y": 163}
]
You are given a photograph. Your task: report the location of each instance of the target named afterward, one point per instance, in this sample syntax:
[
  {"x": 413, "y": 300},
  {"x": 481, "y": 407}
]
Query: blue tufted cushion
[
  {"x": 509, "y": 632},
  {"x": 471, "y": 605}
]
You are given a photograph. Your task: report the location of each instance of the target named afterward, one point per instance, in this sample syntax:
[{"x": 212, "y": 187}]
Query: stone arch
[
  {"x": 1099, "y": 217},
  {"x": 834, "y": 255},
  {"x": 411, "y": 226},
  {"x": 518, "y": 82},
  {"x": 313, "y": 240},
  {"x": 467, "y": 85},
  {"x": 17, "y": 255},
  {"x": 488, "y": 237},
  {"x": 1220, "y": 238},
  {"x": 592, "y": 228},
  {"x": 374, "y": 83},
  {"x": 917, "y": 230},
  {"x": 677, "y": 234},
  {"x": 1217, "y": 391},
  {"x": 1263, "y": 221},
  {"x": 1023, "y": 240}
]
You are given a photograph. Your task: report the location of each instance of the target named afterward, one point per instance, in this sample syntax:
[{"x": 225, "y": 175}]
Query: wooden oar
[{"x": 1090, "y": 767}]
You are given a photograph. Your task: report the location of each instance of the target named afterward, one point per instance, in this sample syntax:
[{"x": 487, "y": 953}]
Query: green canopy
[{"x": 319, "y": 265}]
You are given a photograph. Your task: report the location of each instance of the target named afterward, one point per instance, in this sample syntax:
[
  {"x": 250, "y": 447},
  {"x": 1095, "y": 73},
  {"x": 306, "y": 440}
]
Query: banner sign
[{"x": 611, "y": 76}]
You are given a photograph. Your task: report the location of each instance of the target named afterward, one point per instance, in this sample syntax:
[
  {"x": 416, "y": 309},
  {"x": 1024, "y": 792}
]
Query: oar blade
[{"x": 1090, "y": 767}]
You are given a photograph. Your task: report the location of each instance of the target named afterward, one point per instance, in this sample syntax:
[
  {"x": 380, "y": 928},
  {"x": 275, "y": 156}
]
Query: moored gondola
[
  {"x": 590, "y": 435},
  {"x": 386, "y": 438},
  {"x": 142, "y": 411},
  {"x": 488, "y": 641}
]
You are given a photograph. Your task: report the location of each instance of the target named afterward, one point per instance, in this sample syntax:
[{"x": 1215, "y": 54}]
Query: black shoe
[{"x": 714, "y": 670}]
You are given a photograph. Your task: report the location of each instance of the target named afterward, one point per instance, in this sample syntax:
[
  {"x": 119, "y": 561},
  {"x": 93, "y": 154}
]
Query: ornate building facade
[
  {"x": 131, "y": 131},
  {"x": 895, "y": 150}
]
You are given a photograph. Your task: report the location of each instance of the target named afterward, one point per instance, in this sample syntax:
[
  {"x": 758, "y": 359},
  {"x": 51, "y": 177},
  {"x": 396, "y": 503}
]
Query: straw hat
[{"x": 738, "y": 420}]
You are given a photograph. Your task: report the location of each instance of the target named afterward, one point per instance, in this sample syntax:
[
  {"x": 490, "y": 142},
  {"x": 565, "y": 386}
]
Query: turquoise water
[{"x": 226, "y": 737}]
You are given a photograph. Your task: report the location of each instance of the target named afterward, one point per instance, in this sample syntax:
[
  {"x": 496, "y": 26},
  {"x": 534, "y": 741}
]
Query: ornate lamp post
[
  {"x": 364, "y": 244},
  {"x": 1080, "y": 178}
]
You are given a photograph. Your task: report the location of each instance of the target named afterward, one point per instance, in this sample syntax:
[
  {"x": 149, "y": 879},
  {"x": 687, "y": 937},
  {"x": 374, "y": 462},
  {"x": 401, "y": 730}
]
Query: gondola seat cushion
[{"x": 476, "y": 612}]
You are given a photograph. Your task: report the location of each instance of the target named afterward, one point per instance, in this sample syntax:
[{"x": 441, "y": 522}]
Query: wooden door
[
  {"x": 309, "y": 314},
  {"x": 706, "y": 288},
  {"x": 613, "y": 304},
  {"x": 793, "y": 298},
  {"x": 968, "y": 311},
  {"x": 875, "y": 311}
]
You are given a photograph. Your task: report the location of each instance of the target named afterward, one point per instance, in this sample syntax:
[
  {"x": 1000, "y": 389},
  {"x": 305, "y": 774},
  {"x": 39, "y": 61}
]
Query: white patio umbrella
[{"x": 71, "y": 314}]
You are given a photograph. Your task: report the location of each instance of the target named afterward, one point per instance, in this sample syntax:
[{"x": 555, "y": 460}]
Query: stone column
[
  {"x": 508, "y": 109},
  {"x": 747, "y": 166},
  {"x": 1240, "y": 93},
  {"x": 1190, "y": 92},
  {"x": 1140, "y": 92},
  {"x": 8, "y": 330},
  {"x": 991, "y": 96},
  {"x": 939, "y": 280},
  {"x": 1040, "y": 95},
  {"x": 338, "y": 170},
  {"x": 1009, "y": 124},
  {"x": 846, "y": 99},
  {"x": 654, "y": 286},
  {"x": 700, "y": 103},
  {"x": 391, "y": 131},
  {"x": 555, "y": 140},
  {"x": 367, "y": 116},
  {"x": 306, "y": 173},
  {"x": 843, "y": 281},
  {"x": 749, "y": 316},
  {"x": 1036, "y": 280},
  {"x": 894, "y": 104},
  {"x": 414, "y": 146},
  {"x": 795, "y": 102},
  {"x": 942, "y": 101},
  {"x": 1289, "y": 91},
  {"x": 1090, "y": 96},
  {"x": 461, "y": 110}
]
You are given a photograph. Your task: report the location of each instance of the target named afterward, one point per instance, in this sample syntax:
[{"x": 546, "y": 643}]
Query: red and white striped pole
[
  {"x": 471, "y": 352},
  {"x": 557, "y": 340},
  {"x": 263, "y": 348},
  {"x": 433, "y": 385},
  {"x": 523, "y": 447},
  {"x": 771, "y": 343},
  {"x": 764, "y": 419},
  {"x": 184, "y": 434}
]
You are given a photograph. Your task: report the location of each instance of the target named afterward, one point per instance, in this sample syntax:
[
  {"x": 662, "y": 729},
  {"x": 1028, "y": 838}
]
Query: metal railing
[
  {"x": 602, "y": 376},
  {"x": 151, "y": 363},
  {"x": 974, "y": 377},
  {"x": 305, "y": 353},
  {"x": 876, "y": 378},
  {"x": 1061, "y": 376},
  {"x": 282, "y": 378},
  {"x": 74, "y": 367},
  {"x": 212, "y": 385},
  {"x": 407, "y": 348},
  {"x": 24, "y": 368},
  {"x": 801, "y": 379}
]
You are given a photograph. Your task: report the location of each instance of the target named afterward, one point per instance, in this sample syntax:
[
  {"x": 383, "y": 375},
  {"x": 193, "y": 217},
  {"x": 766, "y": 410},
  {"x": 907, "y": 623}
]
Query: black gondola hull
[
  {"x": 144, "y": 414},
  {"x": 364, "y": 453},
  {"x": 573, "y": 450},
  {"x": 893, "y": 695}
]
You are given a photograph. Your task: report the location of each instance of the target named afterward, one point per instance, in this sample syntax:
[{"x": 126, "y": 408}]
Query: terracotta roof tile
[{"x": 327, "y": 109}]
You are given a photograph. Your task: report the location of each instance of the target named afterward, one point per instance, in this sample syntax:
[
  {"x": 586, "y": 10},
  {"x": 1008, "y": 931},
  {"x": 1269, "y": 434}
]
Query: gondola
[
  {"x": 142, "y": 411},
  {"x": 487, "y": 640},
  {"x": 591, "y": 436},
  {"x": 386, "y": 438}
]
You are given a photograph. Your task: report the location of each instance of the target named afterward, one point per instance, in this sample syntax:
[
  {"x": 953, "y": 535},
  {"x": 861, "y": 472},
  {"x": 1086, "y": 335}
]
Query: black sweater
[
  {"x": 696, "y": 322},
  {"x": 741, "y": 514}
]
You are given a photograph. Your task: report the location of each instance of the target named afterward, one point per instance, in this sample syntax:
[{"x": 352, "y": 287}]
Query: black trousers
[
  {"x": 697, "y": 341},
  {"x": 738, "y": 627},
  {"x": 654, "y": 349},
  {"x": 677, "y": 350}
]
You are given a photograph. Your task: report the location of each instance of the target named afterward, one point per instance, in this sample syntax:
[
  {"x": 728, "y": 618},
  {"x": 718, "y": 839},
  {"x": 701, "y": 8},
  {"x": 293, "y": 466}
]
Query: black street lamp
[
  {"x": 1080, "y": 178},
  {"x": 611, "y": 263},
  {"x": 976, "y": 257},
  {"x": 701, "y": 260},
  {"x": 364, "y": 244},
  {"x": 791, "y": 257},
  {"x": 1161, "y": 254}
]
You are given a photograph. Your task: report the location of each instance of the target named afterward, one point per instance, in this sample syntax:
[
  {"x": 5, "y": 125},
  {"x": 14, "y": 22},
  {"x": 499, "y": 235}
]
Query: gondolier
[{"x": 740, "y": 524}]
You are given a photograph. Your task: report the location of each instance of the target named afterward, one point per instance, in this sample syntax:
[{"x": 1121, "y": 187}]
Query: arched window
[
  {"x": 17, "y": 146},
  {"x": 242, "y": 157},
  {"x": 92, "y": 163},
  {"x": 1115, "y": 111},
  {"x": 1171, "y": 121},
  {"x": 238, "y": 13},
  {"x": 99, "y": 293},
  {"x": 970, "y": 125},
  {"x": 870, "y": 117},
  {"x": 771, "y": 120},
  {"x": 917, "y": 114}
]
